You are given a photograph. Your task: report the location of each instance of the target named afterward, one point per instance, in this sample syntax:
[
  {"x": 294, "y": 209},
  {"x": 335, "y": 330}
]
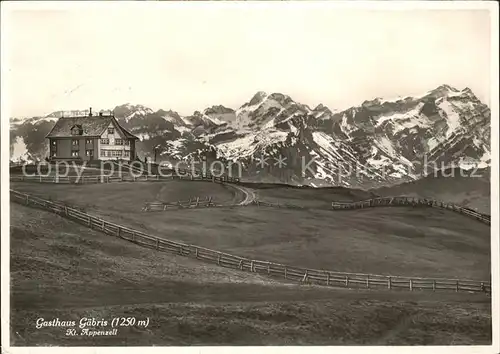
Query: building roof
[{"x": 92, "y": 126}]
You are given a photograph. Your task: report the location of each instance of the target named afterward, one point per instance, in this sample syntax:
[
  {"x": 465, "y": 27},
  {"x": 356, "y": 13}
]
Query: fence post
[
  {"x": 196, "y": 252},
  {"x": 268, "y": 268},
  {"x": 433, "y": 285},
  {"x": 133, "y": 236},
  {"x": 305, "y": 277},
  {"x": 240, "y": 266},
  {"x": 411, "y": 285},
  {"x": 90, "y": 222},
  {"x": 327, "y": 278},
  {"x": 368, "y": 281},
  {"x": 103, "y": 225},
  {"x": 218, "y": 258},
  {"x": 389, "y": 283},
  {"x": 197, "y": 200},
  {"x": 66, "y": 210},
  {"x": 285, "y": 273},
  {"x": 252, "y": 267},
  {"x": 157, "y": 243},
  {"x": 118, "y": 231},
  {"x": 456, "y": 286},
  {"x": 27, "y": 199},
  {"x": 346, "y": 281}
]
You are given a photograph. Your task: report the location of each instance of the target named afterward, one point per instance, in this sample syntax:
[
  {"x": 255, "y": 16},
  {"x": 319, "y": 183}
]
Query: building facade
[{"x": 91, "y": 137}]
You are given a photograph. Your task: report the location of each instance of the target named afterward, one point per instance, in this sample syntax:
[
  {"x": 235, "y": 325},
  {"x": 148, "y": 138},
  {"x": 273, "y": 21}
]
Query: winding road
[{"x": 249, "y": 194}]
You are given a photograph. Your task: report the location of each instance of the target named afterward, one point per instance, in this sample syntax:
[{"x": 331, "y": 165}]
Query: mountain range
[{"x": 380, "y": 142}]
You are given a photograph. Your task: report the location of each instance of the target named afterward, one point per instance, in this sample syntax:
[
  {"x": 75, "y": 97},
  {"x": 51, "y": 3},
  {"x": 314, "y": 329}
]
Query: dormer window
[{"x": 76, "y": 130}]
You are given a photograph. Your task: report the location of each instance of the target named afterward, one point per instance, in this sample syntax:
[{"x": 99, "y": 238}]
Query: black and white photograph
[{"x": 211, "y": 174}]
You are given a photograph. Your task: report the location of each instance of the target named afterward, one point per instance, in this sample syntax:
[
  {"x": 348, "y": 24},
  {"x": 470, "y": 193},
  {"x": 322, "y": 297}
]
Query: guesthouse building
[{"x": 90, "y": 137}]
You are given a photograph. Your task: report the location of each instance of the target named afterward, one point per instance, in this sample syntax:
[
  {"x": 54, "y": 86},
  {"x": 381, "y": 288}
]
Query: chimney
[{"x": 90, "y": 112}]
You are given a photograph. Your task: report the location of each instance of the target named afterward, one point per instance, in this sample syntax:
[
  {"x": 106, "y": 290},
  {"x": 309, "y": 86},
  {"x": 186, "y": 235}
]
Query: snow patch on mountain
[
  {"x": 345, "y": 127},
  {"x": 250, "y": 144},
  {"x": 452, "y": 118},
  {"x": 19, "y": 151},
  {"x": 414, "y": 113},
  {"x": 327, "y": 145},
  {"x": 136, "y": 111}
]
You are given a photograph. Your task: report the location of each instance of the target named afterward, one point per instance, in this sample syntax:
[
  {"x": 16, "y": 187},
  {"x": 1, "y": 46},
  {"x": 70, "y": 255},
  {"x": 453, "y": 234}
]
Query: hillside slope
[
  {"x": 421, "y": 242},
  {"x": 466, "y": 188},
  {"x": 76, "y": 272}
]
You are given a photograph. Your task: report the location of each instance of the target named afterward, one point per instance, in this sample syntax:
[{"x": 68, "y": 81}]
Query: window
[
  {"x": 74, "y": 153},
  {"x": 89, "y": 152},
  {"x": 88, "y": 141},
  {"x": 103, "y": 152},
  {"x": 76, "y": 130},
  {"x": 54, "y": 142},
  {"x": 118, "y": 142},
  {"x": 105, "y": 141},
  {"x": 126, "y": 153},
  {"x": 111, "y": 130},
  {"x": 115, "y": 153},
  {"x": 74, "y": 142},
  {"x": 127, "y": 142}
]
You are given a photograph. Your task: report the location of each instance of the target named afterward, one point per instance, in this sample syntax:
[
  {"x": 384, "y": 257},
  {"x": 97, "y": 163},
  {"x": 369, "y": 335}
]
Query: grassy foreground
[{"x": 60, "y": 269}]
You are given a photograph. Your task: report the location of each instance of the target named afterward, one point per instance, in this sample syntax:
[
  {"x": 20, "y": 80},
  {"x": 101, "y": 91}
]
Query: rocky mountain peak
[
  {"x": 257, "y": 98},
  {"x": 219, "y": 109},
  {"x": 383, "y": 136}
]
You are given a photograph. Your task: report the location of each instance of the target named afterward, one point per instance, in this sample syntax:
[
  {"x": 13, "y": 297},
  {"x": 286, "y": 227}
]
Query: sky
[{"x": 188, "y": 58}]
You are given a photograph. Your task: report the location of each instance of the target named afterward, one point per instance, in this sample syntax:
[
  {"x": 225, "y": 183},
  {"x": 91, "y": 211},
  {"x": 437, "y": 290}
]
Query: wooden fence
[
  {"x": 410, "y": 201},
  {"x": 291, "y": 273},
  {"x": 124, "y": 178},
  {"x": 180, "y": 204},
  {"x": 278, "y": 205},
  {"x": 381, "y": 201}
]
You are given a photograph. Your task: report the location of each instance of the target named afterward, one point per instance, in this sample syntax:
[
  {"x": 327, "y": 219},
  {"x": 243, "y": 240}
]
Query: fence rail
[
  {"x": 291, "y": 273},
  {"x": 278, "y": 205},
  {"x": 381, "y": 201},
  {"x": 411, "y": 201},
  {"x": 87, "y": 179},
  {"x": 180, "y": 204}
]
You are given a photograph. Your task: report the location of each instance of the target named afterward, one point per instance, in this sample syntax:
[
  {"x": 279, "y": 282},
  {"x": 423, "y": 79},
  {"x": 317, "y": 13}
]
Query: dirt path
[{"x": 249, "y": 194}]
